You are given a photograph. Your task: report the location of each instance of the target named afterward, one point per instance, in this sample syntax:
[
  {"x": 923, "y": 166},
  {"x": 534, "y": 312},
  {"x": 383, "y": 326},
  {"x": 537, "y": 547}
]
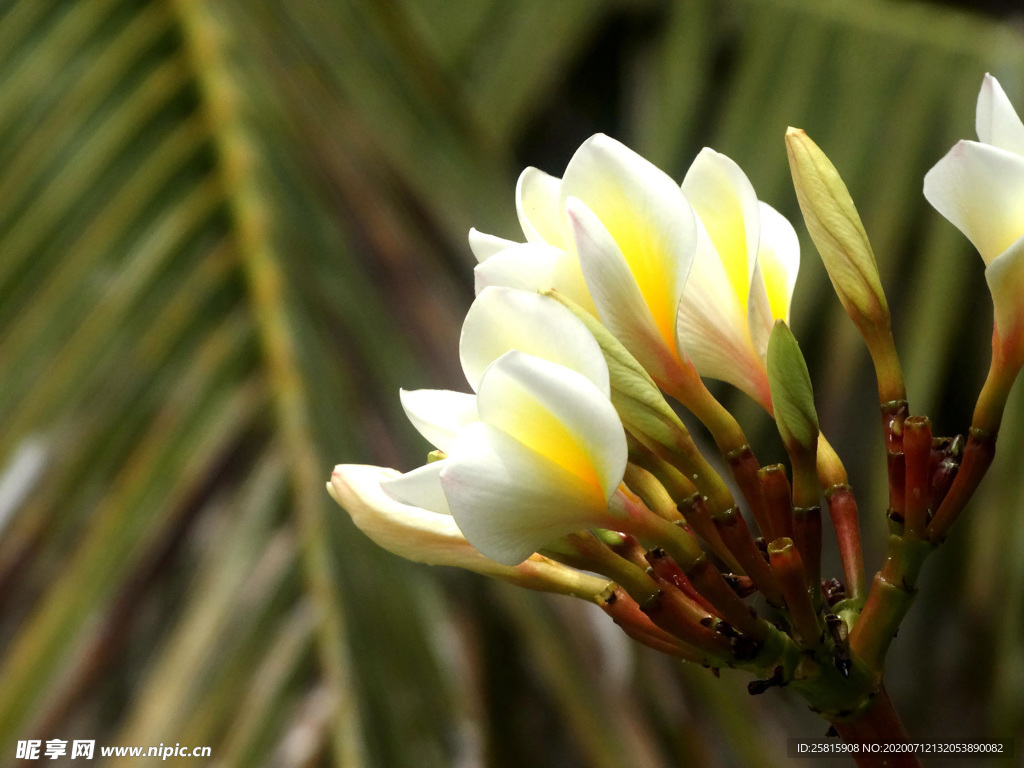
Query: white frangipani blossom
[
  {"x": 742, "y": 278},
  {"x": 539, "y": 450},
  {"x": 544, "y": 460},
  {"x": 979, "y": 187},
  {"x": 691, "y": 276},
  {"x": 428, "y": 537}
]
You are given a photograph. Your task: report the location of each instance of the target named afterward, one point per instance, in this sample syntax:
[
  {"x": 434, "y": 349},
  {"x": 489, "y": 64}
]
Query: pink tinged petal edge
[
  {"x": 502, "y": 319},
  {"x": 712, "y": 328}
]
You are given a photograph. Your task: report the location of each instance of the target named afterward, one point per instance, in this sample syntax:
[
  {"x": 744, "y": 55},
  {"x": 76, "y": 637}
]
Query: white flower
[
  {"x": 979, "y": 187},
  {"x": 539, "y": 450},
  {"x": 742, "y": 278},
  {"x": 500, "y": 320},
  {"x": 543, "y": 461},
  {"x": 619, "y": 237},
  {"x": 428, "y": 537}
]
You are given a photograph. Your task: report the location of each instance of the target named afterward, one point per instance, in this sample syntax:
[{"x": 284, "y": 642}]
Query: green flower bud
[
  {"x": 792, "y": 394},
  {"x": 836, "y": 229}
]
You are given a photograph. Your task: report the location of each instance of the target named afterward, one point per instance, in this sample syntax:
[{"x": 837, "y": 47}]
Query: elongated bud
[
  {"x": 837, "y": 231},
  {"x": 792, "y": 394}
]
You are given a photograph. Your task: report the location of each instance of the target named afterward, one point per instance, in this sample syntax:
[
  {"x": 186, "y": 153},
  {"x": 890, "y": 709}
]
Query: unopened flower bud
[
  {"x": 792, "y": 394},
  {"x": 836, "y": 229}
]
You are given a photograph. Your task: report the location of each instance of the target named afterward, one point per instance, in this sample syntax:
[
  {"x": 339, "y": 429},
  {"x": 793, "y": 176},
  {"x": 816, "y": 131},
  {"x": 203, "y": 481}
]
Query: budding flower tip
[{"x": 790, "y": 131}]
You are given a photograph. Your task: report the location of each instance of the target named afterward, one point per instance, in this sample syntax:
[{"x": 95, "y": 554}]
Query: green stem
[
  {"x": 892, "y": 593},
  {"x": 882, "y": 349}
]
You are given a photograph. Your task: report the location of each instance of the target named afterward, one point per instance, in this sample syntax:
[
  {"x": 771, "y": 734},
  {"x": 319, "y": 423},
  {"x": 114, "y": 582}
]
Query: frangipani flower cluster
[
  {"x": 684, "y": 277},
  {"x": 564, "y": 459}
]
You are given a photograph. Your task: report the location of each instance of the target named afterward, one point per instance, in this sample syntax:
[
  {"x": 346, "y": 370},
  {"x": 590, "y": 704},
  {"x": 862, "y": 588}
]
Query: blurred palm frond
[{"x": 229, "y": 231}]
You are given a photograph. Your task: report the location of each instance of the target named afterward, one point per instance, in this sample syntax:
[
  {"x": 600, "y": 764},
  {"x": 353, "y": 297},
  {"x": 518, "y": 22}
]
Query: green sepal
[
  {"x": 637, "y": 399},
  {"x": 792, "y": 394}
]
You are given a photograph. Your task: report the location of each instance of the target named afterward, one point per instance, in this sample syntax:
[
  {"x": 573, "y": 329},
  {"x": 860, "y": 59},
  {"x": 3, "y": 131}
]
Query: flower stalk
[
  {"x": 779, "y": 498},
  {"x": 627, "y": 614},
  {"x": 734, "y": 531},
  {"x": 917, "y": 451},
  {"x": 792, "y": 576},
  {"x": 842, "y": 508}
]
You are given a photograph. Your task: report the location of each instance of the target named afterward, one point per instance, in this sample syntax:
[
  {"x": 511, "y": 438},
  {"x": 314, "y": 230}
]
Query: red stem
[
  {"x": 736, "y": 535},
  {"x": 779, "y": 497},
  {"x": 917, "y": 451},
  {"x": 882, "y": 724},
  {"x": 625, "y": 612},
  {"x": 789, "y": 569},
  {"x": 664, "y": 567},
  {"x": 745, "y": 469},
  {"x": 706, "y": 578},
  {"x": 842, "y": 508},
  {"x": 978, "y": 455},
  {"x": 894, "y": 413},
  {"x": 807, "y": 537}
]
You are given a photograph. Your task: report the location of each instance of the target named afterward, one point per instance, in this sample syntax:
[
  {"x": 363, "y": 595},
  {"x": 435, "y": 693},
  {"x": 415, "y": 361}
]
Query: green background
[{"x": 230, "y": 230}]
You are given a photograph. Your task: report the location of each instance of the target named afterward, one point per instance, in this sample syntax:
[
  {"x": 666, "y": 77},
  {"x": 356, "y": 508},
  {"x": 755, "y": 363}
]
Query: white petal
[
  {"x": 537, "y": 204},
  {"x": 1005, "y": 277},
  {"x": 530, "y": 267},
  {"x": 419, "y": 488},
  {"x": 511, "y": 501},
  {"x": 646, "y": 215},
  {"x": 621, "y": 305},
  {"x": 426, "y": 537},
  {"x": 771, "y": 290},
  {"x": 502, "y": 319},
  {"x": 980, "y": 189},
  {"x": 439, "y": 414},
  {"x": 997, "y": 121},
  {"x": 484, "y": 246},
  {"x": 409, "y": 531},
  {"x": 713, "y": 327},
  {"x": 726, "y": 203},
  {"x": 558, "y": 413}
]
